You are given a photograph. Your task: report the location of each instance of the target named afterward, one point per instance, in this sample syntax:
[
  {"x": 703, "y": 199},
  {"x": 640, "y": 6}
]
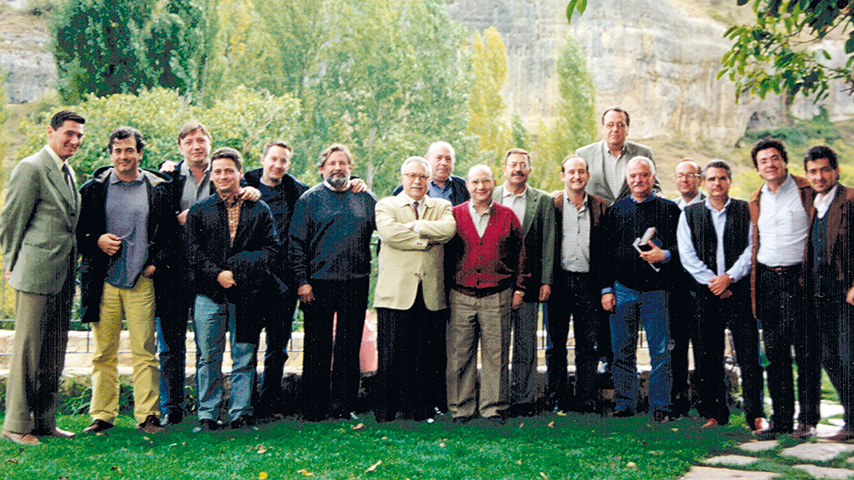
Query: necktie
[
  {"x": 69, "y": 180},
  {"x": 415, "y": 207}
]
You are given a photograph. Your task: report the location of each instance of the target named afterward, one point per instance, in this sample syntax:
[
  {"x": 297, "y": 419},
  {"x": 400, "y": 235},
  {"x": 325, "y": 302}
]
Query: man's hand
[
  {"x": 518, "y": 296},
  {"x": 654, "y": 255},
  {"x": 306, "y": 295},
  {"x": 109, "y": 243},
  {"x": 556, "y": 193},
  {"x": 149, "y": 271},
  {"x": 357, "y": 185},
  {"x": 168, "y": 166},
  {"x": 609, "y": 302},
  {"x": 182, "y": 217},
  {"x": 545, "y": 293},
  {"x": 226, "y": 279},
  {"x": 249, "y": 194},
  {"x": 848, "y": 298},
  {"x": 719, "y": 284},
  {"x": 7, "y": 276}
]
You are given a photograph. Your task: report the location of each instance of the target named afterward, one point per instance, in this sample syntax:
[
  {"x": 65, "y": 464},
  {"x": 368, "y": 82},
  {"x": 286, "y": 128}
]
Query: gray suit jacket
[
  {"x": 539, "y": 232},
  {"x": 595, "y": 156},
  {"x": 37, "y": 225}
]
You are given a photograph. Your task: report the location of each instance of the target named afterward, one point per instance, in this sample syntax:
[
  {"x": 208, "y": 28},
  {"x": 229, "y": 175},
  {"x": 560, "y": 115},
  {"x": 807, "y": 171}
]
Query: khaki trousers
[
  {"x": 38, "y": 357},
  {"x": 490, "y": 316},
  {"x": 137, "y": 305}
]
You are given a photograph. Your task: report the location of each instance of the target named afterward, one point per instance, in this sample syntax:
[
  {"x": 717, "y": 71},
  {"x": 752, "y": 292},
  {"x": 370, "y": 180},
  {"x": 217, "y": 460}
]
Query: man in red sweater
[{"x": 489, "y": 255}]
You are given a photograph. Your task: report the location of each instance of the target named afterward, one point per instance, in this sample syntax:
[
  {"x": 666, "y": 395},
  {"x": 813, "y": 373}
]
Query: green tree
[{"x": 486, "y": 105}]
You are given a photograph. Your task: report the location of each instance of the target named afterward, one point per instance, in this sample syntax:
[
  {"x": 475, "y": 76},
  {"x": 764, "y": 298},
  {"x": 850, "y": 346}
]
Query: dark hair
[
  {"x": 191, "y": 127},
  {"x": 765, "y": 144},
  {"x": 63, "y": 116},
  {"x": 277, "y": 143},
  {"x": 230, "y": 154},
  {"x": 571, "y": 156},
  {"x": 616, "y": 109},
  {"x": 821, "y": 151},
  {"x": 718, "y": 164},
  {"x": 122, "y": 133},
  {"x": 335, "y": 147},
  {"x": 517, "y": 151}
]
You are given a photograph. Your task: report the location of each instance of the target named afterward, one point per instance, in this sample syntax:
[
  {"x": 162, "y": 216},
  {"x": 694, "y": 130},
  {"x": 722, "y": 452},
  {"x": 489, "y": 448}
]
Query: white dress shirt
[
  {"x": 783, "y": 225},
  {"x": 823, "y": 200},
  {"x": 515, "y": 201}
]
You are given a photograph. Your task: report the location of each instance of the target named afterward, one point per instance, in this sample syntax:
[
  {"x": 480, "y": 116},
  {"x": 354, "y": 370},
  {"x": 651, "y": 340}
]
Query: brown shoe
[
  {"x": 843, "y": 435},
  {"x": 26, "y": 439},
  {"x": 98, "y": 426},
  {"x": 150, "y": 425},
  {"x": 710, "y": 423},
  {"x": 804, "y": 431},
  {"x": 55, "y": 432}
]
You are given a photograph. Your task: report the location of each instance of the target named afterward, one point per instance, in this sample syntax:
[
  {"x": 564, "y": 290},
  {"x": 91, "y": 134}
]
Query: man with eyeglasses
[
  {"x": 687, "y": 178},
  {"x": 534, "y": 210},
  {"x": 410, "y": 294},
  {"x": 607, "y": 158}
]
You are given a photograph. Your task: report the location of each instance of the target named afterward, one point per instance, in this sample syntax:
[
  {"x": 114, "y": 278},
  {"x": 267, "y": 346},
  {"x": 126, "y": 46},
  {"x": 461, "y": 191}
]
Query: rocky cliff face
[
  {"x": 24, "y": 56},
  {"x": 648, "y": 56}
]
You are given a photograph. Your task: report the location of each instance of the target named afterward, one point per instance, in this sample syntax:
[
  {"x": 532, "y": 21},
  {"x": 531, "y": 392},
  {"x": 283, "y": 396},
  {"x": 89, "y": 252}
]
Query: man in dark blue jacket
[{"x": 232, "y": 247}]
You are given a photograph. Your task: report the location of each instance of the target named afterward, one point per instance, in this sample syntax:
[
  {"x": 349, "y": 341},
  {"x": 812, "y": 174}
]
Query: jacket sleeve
[
  {"x": 204, "y": 268},
  {"x": 160, "y": 248},
  {"x": 299, "y": 238},
  {"x": 548, "y": 240}
]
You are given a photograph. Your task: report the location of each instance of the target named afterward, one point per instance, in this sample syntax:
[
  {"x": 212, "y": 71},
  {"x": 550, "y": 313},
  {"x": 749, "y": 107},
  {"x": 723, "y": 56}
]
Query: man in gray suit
[
  {"x": 607, "y": 158},
  {"x": 37, "y": 226},
  {"x": 535, "y": 211}
]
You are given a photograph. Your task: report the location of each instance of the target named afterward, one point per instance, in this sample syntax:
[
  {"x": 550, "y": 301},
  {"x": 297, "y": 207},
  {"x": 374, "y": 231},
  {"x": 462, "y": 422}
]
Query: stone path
[{"x": 785, "y": 457}]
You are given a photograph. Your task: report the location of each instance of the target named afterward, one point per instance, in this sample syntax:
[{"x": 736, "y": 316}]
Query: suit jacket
[
  {"x": 459, "y": 192},
  {"x": 597, "y": 206},
  {"x": 406, "y": 259},
  {"x": 539, "y": 232},
  {"x": 595, "y": 156},
  {"x": 37, "y": 225},
  {"x": 840, "y": 236},
  {"x": 804, "y": 187}
]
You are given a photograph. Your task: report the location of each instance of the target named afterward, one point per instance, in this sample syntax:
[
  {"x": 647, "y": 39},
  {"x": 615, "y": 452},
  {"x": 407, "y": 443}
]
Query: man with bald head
[
  {"x": 636, "y": 280},
  {"x": 488, "y": 254}
]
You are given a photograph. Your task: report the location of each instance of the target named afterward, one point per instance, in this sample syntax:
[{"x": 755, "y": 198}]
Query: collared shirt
[
  {"x": 681, "y": 203},
  {"x": 435, "y": 191},
  {"x": 127, "y": 218},
  {"x": 193, "y": 190},
  {"x": 62, "y": 168},
  {"x": 614, "y": 168},
  {"x": 575, "y": 245},
  {"x": 695, "y": 266},
  {"x": 481, "y": 220},
  {"x": 517, "y": 202},
  {"x": 412, "y": 203},
  {"x": 823, "y": 200},
  {"x": 783, "y": 225},
  {"x": 232, "y": 206}
]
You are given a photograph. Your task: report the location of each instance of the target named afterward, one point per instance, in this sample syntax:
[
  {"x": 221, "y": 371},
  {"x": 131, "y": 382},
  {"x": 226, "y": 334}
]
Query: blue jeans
[
  {"x": 212, "y": 321},
  {"x": 651, "y": 309}
]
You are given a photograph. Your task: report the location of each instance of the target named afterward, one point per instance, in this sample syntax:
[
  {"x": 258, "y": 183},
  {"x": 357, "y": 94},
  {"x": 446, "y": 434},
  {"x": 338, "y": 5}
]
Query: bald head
[
  {"x": 688, "y": 178},
  {"x": 480, "y": 183},
  {"x": 442, "y": 157}
]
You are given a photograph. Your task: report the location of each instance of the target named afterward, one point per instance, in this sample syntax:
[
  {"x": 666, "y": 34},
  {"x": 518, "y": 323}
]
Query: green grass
[{"x": 544, "y": 447}]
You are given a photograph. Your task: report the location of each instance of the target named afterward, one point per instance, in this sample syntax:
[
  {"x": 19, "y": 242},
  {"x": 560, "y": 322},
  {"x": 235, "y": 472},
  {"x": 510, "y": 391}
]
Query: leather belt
[{"x": 781, "y": 270}]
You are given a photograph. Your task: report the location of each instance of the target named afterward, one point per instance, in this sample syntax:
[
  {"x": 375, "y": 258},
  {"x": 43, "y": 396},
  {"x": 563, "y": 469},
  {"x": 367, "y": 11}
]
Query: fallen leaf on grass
[
  {"x": 544, "y": 476},
  {"x": 385, "y": 438},
  {"x": 561, "y": 413},
  {"x": 632, "y": 465},
  {"x": 262, "y": 475},
  {"x": 518, "y": 462},
  {"x": 374, "y": 466},
  {"x": 551, "y": 425},
  {"x": 262, "y": 449},
  {"x": 442, "y": 444},
  {"x": 12, "y": 460},
  {"x": 305, "y": 473},
  {"x": 521, "y": 424},
  {"x": 358, "y": 426},
  {"x": 675, "y": 429}
]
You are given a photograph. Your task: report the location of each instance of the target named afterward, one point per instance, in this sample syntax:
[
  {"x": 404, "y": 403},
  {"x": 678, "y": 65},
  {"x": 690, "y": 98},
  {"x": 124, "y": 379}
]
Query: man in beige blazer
[
  {"x": 37, "y": 226},
  {"x": 410, "y": 292}
]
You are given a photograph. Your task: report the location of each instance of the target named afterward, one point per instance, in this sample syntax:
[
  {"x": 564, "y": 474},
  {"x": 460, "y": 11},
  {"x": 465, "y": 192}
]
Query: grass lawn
[{"x": 543, "y": 447}]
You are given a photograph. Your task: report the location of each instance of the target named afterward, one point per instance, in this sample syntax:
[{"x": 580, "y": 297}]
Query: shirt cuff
[{"x": 667, "y": 256}]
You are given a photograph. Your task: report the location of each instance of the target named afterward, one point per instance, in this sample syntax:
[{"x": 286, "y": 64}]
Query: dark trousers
[
  {"x": 714, "y": 315},
  {"x": 572, "y": 297},
  {"x": 831, "y": 345},
  {"x": 277, "y": 322},
  {"x": 349, "y": 299},
  {"x": 683, "y": 330},
  {"x": 405, "y": 342},
  {"x": 779, "y": 306},
  {"x": 172, "y": 341}
]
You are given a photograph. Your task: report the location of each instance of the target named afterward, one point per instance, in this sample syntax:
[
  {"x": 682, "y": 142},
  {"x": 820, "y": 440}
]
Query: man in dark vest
[{"x": 715, "y": 247}]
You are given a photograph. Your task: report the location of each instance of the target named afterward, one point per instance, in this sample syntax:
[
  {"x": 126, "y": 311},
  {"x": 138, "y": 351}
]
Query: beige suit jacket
[
  {"x": 406, "y": 258},
  {"x": 37, "y": 225}
]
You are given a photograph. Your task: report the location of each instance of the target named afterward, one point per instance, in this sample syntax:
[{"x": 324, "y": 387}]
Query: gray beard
[{"x": 337, "y": 181}]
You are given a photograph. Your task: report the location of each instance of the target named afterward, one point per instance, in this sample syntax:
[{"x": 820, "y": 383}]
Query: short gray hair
[
  {"x": 416, "y": 159},
  {"x": 717, "y": 163},
  {"x": 641, "y": 158}
]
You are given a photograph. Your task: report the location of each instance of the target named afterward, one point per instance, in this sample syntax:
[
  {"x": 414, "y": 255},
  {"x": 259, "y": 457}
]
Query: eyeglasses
[
  {"x": 619, "y": 125},
  {"x": 686, "y": 176},
  {"x": 413, "y": 176},
  {"x": 514, "y": 165}
]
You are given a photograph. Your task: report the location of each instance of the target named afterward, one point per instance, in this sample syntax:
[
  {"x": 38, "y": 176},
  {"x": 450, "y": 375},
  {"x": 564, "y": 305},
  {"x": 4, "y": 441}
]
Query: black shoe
[
  {"x": 150, "y": 425},
  {"x": 495, "y": 420},
  {"x": 98, "y": 426},
  {"x": 244, "y": 422},
  {"x": 461, "y": 420},
  {"x": 173, "y": 418},
  {"x": 207, "y": 425},
  {"x": 660, "y": 416},
  {"x": 625, "y": 413}
]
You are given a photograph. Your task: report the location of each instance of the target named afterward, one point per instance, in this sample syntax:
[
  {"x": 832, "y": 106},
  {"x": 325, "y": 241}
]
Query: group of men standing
[{"x": 461, "y": 262}]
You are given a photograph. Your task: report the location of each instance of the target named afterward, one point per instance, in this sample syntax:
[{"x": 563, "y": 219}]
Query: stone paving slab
[
  {"x": 836, "y": 422},
  {"x": 734, "y": 460},
  {"x": 759, "y": 446},
  {"x": 817, "y": 452},
  {"x": 825, "y": 472},
  {"x": 709, "y": 473}
]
